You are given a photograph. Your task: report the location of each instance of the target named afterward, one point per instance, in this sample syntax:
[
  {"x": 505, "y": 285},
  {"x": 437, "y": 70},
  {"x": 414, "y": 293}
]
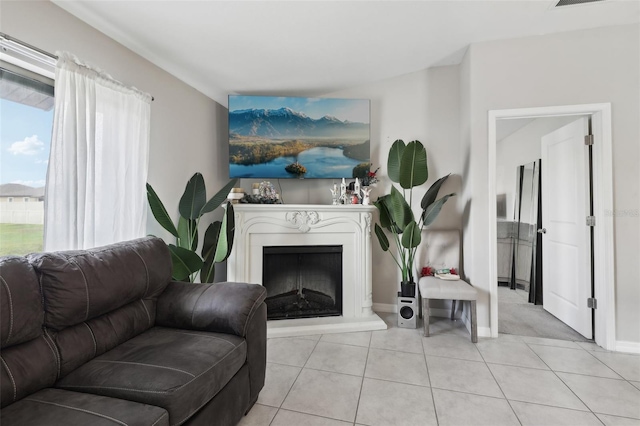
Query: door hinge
[
  {"x": 591, "y": 221},
  {"x": 592, "y": 303},
  {"x": 588, "y": 140}
]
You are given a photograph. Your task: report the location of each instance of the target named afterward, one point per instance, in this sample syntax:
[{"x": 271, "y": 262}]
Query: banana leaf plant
[
  {"x": 407, "y": 166},
  {"x": 218, "y": 238}
]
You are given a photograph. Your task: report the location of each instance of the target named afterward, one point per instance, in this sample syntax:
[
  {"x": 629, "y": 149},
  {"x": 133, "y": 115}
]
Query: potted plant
[
  {"x": 407, "y": 166},
  {"x": 218, "y": 238}
]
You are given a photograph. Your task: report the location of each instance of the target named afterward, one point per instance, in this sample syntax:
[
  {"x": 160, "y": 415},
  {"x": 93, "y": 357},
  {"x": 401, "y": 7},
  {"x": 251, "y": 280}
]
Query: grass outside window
[{"x": 20, "y": 238}]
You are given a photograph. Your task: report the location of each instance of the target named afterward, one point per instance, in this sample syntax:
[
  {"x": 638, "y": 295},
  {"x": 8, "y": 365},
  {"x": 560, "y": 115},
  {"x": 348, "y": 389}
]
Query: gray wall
[{"x": 579, "y": 67}]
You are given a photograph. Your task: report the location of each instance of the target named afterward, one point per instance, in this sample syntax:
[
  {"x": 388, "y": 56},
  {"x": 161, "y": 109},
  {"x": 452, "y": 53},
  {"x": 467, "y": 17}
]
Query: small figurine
[
  {"x": 356, "y": 188},
  {"x": 343, "y": 192},
  {"x": 366, "y": 190},
  {"x": 334, "y": 194}
]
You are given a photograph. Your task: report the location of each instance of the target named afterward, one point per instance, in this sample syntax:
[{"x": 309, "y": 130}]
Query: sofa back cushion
[
  {"x": 28, "y": 359},
  {"x": 96, "y": 299},
  {"x": 21, "y": 308}
]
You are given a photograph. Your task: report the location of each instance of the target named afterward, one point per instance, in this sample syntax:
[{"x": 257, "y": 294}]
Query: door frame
[{"x": 604, "y": 272}]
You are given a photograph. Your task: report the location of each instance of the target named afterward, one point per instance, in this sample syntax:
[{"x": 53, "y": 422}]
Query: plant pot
[{"x": 408, "y": 289}]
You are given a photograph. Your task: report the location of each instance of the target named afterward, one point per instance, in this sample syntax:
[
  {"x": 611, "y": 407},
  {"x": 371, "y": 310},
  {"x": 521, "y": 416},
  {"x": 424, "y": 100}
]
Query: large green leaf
[
  {"x": 430, "y": 214},
  {"x": 193, "y": 198},
  {"x": 219, "y": 198},
  {"x": 413, "y": 165},
  {"x": 399, "y": 210},
  {"x": 222, "y": 247},
  {"x": 411, "y": 236},
  {"x": 218, "y": 241},
  {"x": 231, "y": 228},
  {"x": 385, "y": 219},
  {"x": 187, "y": 233},
  {"x": 382, "y": 238},
  {"x": 185, "y": 262},
  {"x": 160, "y": 212},
  {"x": 208, "y": 250},
  {"x": 432, "y": 193},
  {"x": 394, "y": 160}
]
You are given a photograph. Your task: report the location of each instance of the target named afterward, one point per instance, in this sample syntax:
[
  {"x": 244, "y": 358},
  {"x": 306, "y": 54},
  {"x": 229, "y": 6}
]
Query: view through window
[{"x": 26, "y": 121}]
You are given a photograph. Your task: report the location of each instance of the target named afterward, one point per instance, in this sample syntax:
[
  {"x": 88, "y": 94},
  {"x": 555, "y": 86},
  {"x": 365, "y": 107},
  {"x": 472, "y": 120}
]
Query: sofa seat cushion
[
  {"x": 178, "y": 370},
  {"x": 60, "y": 407}
]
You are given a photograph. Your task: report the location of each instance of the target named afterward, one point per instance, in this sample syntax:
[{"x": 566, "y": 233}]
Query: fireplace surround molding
[{"x": 260, "y": 225}]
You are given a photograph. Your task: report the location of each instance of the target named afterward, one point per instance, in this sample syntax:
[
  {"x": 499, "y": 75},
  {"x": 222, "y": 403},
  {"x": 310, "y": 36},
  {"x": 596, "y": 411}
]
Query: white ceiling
[{"x": 309, "y": 48}]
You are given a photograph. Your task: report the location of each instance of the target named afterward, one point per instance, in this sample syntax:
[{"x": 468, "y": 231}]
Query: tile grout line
[
  {"x": 355, "y": 417},
  {"x": 498, "y": 384},
  {"x": 294, "y": 381},
  {"x": 612, "y": 369},
  {"x": 620, "y": 377},
  {"x": 424, "y": 356},
  {"x": 563, "y": 382}
]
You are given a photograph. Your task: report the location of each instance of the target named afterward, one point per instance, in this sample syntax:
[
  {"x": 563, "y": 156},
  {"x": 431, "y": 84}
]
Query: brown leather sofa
[{"x": 104, "y": 337}]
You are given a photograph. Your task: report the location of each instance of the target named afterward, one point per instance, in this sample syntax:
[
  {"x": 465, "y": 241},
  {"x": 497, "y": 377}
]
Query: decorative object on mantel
[
  {"x": 355, "y": 192},
  {"x": 343, "y": 192},
  {"x": 363, "y": 172},
  {"x": 407, "y": 165},
  {"x": 370, "y": 179},
  {"x": 218, "y": 238},
  {"x": 258, "y": 199},
  {"x": 366, "y": 191},
  {"x": 335, "y": 196},
  {"x": 235, "y": 195},
  {"x": 262, "y": 193}
]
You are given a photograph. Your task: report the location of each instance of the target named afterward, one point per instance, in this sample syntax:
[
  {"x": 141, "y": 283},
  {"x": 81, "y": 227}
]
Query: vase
[{"x": 408, "y": 289}]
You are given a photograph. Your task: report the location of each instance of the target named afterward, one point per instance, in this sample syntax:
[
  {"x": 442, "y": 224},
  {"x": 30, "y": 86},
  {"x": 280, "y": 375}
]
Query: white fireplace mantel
[{"x": 260, "y": 225}]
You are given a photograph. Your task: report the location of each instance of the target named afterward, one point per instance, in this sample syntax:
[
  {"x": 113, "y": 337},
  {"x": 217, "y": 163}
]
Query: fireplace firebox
[{"x": 302, "y": 281}]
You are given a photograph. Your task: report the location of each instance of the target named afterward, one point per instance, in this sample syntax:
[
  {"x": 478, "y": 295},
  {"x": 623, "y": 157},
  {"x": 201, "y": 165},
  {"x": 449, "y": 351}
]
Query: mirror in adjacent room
[{"x": 525, "y": 226}]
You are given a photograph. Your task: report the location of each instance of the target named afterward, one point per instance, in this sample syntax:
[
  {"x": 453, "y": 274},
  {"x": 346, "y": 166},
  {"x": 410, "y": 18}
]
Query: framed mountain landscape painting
[{"x": 291, "y": 137}]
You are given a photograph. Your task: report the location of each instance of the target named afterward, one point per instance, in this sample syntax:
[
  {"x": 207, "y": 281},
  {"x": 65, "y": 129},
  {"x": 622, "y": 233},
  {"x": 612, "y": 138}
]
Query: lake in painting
[{"x": 321, "y": 162}]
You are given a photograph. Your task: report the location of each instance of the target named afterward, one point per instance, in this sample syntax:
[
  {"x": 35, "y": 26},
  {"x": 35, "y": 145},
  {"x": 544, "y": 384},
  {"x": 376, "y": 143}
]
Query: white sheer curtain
[{"x": 95, "y": 191}]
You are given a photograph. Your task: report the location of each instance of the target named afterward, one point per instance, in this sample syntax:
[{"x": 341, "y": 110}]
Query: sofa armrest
[{"x": 221, "y": 307}]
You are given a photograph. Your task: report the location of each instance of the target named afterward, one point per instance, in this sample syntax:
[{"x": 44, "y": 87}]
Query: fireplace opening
[{"x": 302, "y": 281}]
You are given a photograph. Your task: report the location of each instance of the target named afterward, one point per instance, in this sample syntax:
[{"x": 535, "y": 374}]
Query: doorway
[
  {"x": 600, "y": 114},
  {"x": 531, "y": 300}
]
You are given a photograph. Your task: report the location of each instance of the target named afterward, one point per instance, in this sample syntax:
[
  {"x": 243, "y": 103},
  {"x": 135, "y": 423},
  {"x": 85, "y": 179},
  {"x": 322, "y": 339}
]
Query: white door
[{"x": 566, "y": 248}]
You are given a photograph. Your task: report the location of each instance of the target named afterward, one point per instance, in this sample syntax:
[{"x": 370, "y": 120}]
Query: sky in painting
[
  {"x": 356, "y": 110},
  {"x": 25, "y": 139}
]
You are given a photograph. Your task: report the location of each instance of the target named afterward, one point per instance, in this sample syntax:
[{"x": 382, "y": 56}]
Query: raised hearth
[{"x": 259, "y": 226}]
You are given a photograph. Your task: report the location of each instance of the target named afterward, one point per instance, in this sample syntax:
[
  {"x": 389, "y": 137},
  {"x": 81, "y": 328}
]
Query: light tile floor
[{"x": 397, "y": 377}]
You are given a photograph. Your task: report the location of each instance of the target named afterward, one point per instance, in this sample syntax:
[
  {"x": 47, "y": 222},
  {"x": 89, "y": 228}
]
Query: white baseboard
[
  {"x": 390, "y": 308},
  {"x": 385, "y": 307},
  {"x": 630, "y": 347},
  {"x": 484, "y": 331}
]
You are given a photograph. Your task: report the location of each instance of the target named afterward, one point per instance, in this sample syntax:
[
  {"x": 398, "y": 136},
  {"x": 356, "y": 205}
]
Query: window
[{"x": 26, "y": 120}]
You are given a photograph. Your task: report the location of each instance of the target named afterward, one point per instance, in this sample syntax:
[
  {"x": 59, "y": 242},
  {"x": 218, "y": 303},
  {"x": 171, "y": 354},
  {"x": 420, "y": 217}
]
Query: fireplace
[
  {"x": 302, "y": 281},
  {"x": 289, "y": 229}
]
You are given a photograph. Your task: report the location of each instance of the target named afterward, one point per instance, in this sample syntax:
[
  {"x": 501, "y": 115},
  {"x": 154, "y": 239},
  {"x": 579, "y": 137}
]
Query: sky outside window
[{"x": 25, "y": 140}]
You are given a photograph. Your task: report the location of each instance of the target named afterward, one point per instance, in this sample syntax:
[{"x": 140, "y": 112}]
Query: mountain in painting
[{"x": 286, "y": 123}]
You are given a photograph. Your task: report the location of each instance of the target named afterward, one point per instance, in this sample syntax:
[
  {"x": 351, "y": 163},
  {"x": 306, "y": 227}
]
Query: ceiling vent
[{"x": 574, "y": 2}]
